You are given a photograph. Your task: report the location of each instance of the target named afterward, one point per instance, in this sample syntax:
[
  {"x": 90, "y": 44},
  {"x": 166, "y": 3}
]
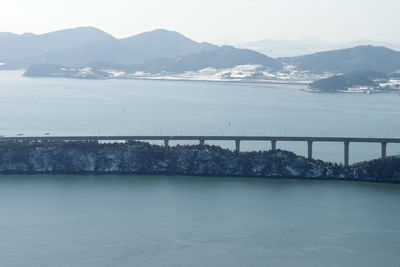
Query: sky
[{"x": 216, "y": 21}]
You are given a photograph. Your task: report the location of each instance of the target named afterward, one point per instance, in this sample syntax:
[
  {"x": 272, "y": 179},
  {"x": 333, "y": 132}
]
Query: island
[
  {"x": 140, "y": 158},
  {"x": 358, "y": 82}
]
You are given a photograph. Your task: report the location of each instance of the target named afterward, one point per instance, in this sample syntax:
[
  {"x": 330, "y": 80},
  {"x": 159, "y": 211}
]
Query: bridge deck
[{"x": 206, "y": 138}]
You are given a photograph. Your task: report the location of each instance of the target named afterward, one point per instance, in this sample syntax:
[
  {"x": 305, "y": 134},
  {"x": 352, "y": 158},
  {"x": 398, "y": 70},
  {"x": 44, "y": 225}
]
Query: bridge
[{"x": 202, "y": 139}]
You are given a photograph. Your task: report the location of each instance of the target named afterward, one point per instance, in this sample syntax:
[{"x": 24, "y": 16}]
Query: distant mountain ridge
[
  {"x": 286, "y": 48},
  {"x": 219, "y": 58},
  {"x": 19, "y": 51},
  {"x": 162, "y": 43},
  {"x": 373, "y": 58},
  {"x": 87, "y": 52},
  {"x": 149, "y": 51},
  {"x": 130, "y": 51},
  {"x": 305, "y": 46}
]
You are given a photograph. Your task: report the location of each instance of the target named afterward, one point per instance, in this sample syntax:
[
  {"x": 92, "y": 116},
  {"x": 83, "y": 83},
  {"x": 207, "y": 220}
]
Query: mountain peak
[
  {"x": 163, "y": 31},
  {"x": 371, "y": 47},
  {"x": 160, "y": 43},
  {"x": 158, "y": 34},
  {"x": 80, "y": 32}
]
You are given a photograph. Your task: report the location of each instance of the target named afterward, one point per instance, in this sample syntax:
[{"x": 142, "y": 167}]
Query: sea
[{"x": 56, "y": 220}]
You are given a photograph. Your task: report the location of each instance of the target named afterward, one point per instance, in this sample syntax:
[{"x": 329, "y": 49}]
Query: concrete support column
[
  {"x": 346, "y": 153},
  {"x": 310, "y": 143},
  {"x": 237, "y": 143},
  {"x": 273, "y": 145},
  {"x": 384, "y": 146},
  {"x": 202, "y": 142},
  {"x": 166, "y": 142}
]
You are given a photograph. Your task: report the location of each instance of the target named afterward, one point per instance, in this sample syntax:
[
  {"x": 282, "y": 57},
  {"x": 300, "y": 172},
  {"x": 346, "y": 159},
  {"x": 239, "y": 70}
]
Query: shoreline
[
  {"x": 302, "y": 83},
  {"x": 140, "y": 158},
  {"x": 136, "y": 175},
  {"x": 208, "y": 81},
  {"x": 366, "y": 92},
  {"x": 172, "y": 80}
]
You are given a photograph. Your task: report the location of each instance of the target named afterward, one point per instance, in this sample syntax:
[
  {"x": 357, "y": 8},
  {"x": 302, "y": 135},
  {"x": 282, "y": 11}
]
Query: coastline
[
  {"x": 348, "y": 91},
  {"x": 161, "y": 78},
  {"x": 209, "y": 80},
  {"x": 138, "y": 158},
  {"x": 175, "y": 80},
  {"x": 22, "y": 176}
]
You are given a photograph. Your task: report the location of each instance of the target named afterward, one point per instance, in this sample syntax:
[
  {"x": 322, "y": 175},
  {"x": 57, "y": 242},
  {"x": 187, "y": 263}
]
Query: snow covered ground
[
  {"x": 390, "y": 86},
  {"x": 241, "y": 73}
]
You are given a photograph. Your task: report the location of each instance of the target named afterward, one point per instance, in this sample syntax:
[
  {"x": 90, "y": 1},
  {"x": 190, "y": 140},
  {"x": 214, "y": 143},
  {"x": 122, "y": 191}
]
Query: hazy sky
[{"x": 217, "y": 21}]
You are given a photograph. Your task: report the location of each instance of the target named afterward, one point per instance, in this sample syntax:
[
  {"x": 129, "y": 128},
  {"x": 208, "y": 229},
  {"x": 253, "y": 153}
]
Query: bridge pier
[
  {"x": 166, "y": 142},
  {"x": 310, "y": 143},
  {"x": 273, "y": 145},
  {"x": 202, "y": 142},
  {"x": 346, "y": 153},
  {"x": 237, "y": 143},
  {"x": 384, "y": 146}
]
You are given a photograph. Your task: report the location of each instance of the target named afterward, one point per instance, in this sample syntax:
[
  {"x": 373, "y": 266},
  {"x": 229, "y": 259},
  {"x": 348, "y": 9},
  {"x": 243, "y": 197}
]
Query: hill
[
  {"x": 155, "y": 52},
  {"x": 71, "y": 52},
  {"x": 306, "y": 46},
  {"x": 219, "y": 58},
  {"x": 20, "y": 51},
  {"x": 129, "y": 51},
  {"x": 286, "y": 48},
  {"x": 374, "y": 58},
  {"x": 222, "y": 57},
  {"x": 160, "y": 43},
  {"x": 82, "y": 46},
  {"x": 340, "y": 82},
  {"x": 143, "y": 158}
]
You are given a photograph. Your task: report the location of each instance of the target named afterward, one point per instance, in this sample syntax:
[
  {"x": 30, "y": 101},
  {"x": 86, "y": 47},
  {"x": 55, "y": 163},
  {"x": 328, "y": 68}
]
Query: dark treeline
[{"x": 144, "y": 158}]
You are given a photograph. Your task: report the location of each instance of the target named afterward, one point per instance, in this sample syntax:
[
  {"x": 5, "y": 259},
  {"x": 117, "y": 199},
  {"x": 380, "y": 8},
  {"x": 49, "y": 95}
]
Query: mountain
[
  {"x": 22, "y": 50},
  {"x": 155, "y": 52},
  {"x": 374, "y": 58},
  {"x": 349, "y": 80},
  {"x": 390, "y": 45},
  {"x": 219, "y": 58},
  {"x": 286, "y": 48},
  {"x": 82, "y": 46},
  {"x": 305, "y": 46},
  {"x": 160, "y": 43},
  {"x": 222, "y": 57},
  {"x": 108, "y": 50},
  {"x": 129, "y": 51}
]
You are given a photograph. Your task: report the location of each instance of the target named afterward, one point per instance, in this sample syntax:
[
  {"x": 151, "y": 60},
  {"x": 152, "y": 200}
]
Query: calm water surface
[
  {"x": 188, "y": 221},
  {"x": 182, "y": 221},
  {"x": 34, "y": 106}
]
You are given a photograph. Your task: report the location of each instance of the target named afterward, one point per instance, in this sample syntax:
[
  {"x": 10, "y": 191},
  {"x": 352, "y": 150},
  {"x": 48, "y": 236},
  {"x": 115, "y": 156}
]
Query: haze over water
[{"x": 139, "y": 107}]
